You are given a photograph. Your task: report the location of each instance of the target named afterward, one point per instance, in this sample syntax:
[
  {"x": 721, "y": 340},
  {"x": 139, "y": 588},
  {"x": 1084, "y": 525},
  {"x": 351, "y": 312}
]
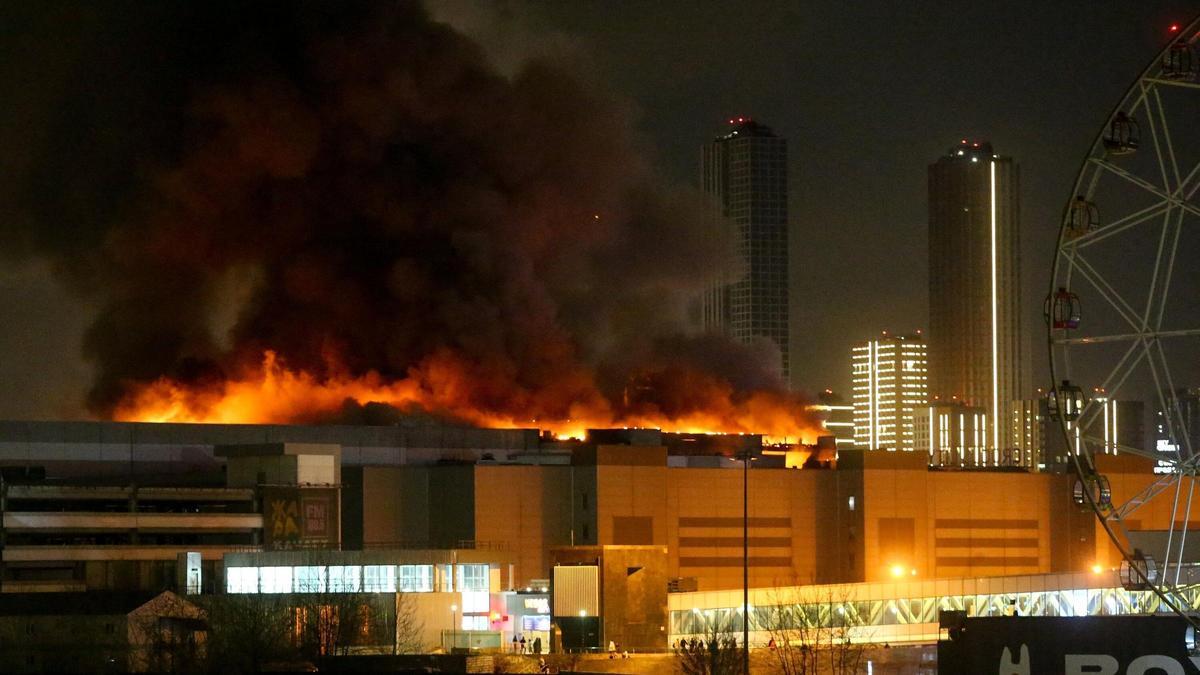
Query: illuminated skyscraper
[
  {"x": 745, "y": 170},
  {"x": 889, "y": 384},
  {"x": 975, "y": 339}
]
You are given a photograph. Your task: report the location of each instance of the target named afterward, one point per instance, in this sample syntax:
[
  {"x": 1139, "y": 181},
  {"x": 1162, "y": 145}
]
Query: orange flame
[{"x": 272, "y": 393}]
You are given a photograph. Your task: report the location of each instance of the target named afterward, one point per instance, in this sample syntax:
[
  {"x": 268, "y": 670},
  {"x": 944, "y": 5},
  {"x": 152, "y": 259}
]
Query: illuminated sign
[
  {"x": 539, "y": 605},
  {"x": 535, "y": 622},
  {"x": 1163, "y": 445}
]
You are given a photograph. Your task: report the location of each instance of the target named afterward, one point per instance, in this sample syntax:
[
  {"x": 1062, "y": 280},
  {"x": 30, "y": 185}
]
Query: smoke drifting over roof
[{"x": 354, "y": 188}]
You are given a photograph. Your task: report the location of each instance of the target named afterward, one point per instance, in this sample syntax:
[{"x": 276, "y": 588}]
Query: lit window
[
  {"x": 308, "y": 579},
  {"x": 275, "y": 579},
  {"x": 241, "y": 580},
  {"x": 379, "y": 578},
  {"x": 475, "y": 602},
  {"x": 850, "y": 503},
  {"x": 472, "y": 578},
  {"x": 416, "y": 578},
  {"x": 475, "y": 623},
  {"x": 345, "y": 578}
]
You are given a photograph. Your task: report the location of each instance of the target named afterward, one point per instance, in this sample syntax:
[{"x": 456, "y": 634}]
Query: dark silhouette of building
[{"x": 745, "y": 170}]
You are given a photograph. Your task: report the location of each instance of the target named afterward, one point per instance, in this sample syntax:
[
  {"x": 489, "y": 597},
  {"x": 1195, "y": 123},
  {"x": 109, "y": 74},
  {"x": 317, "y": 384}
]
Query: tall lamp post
[
  {"x": 745, "y": 456},
  {"x": 453, "y": 627}
]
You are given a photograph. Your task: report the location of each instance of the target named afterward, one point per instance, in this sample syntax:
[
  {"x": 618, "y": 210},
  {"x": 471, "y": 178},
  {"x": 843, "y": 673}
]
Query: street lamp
[
  {"x": 453, "y": 627},
  {"x": 744, "y": 455},
  {"x": 582, "y": 630}
]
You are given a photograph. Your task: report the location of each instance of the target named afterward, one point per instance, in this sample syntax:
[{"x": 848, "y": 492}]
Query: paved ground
[{"x": 893, "y": 661}]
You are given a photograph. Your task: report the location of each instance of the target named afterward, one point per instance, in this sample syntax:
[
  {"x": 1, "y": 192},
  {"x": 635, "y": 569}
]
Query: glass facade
[
  {"x": 472, "y": 580},
  {"x": 379, "y": 578},
  {"x": 416, "y": 578},
  {"x": 906, "y": 611},
  {"x": 475, "y": 602},
  {"x": 475, "y": 623},
  {"x": 345, "y": 578},
  {"x": 309, "y": 579},
  {"x": 275, "y": 580},
  {"x": 241, "y": 580}
]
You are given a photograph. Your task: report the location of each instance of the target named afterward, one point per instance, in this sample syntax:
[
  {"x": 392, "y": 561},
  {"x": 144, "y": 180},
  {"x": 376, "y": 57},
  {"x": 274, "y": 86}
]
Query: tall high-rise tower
[
  {"x": 975, "y": 339},
  {"x": 745, "y": 171}
]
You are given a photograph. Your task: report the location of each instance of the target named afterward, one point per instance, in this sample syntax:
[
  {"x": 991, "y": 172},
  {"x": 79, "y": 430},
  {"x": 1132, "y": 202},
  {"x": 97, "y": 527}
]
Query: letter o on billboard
[{"x": 1155, "y": 664}]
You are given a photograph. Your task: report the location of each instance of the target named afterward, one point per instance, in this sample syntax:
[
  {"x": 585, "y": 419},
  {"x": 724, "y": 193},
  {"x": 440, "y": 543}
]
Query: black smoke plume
[{"x": 347, "y": 183}]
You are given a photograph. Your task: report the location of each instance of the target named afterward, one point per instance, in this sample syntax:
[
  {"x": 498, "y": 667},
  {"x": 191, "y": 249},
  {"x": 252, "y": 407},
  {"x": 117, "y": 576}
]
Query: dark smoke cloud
[{"x": 360, "y": 184}]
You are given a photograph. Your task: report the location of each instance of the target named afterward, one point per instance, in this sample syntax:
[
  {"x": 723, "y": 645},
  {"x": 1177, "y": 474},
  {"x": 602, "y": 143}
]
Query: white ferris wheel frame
[{"x": 1174, "y": 193}]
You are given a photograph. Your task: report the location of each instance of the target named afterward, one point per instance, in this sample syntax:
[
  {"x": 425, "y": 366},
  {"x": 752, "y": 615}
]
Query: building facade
[
  {"x": 837, "y": 418},
  {"x": 439, "y": 512},
  {"x": 975, "y": 336},
  {"x": 745, "y": 172},
  {"x": 955, "y": 435},
  {"x": 889, "y": 383},
  {"x": 1183, "y": 434},
  {"x": 1119, "y": 428},
  {"x": 1028, "y": 431}
]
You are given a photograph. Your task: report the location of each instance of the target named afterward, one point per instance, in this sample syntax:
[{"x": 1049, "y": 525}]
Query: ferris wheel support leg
[{"x": 1187, "y": 516}]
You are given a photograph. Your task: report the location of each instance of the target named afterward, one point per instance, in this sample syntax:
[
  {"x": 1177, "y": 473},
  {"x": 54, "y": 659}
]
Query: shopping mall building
[{"x": 632, "y": 536}]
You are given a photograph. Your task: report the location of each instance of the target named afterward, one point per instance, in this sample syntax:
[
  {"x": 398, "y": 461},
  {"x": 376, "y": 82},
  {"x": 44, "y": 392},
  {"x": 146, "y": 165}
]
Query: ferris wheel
[{"x": 1123, "y": 322}]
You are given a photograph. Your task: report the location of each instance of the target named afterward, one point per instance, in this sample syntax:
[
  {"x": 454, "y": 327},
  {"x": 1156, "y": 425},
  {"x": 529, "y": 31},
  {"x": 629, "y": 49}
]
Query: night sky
[
  {"x": 868, "y": 98},
  {"x": 868, "y": 94}
]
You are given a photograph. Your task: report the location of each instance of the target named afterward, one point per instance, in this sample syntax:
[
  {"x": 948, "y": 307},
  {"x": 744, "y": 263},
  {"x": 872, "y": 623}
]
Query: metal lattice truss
[
  {"x": 861, "y": 618},
  {"x": 1127, "y": 248}
]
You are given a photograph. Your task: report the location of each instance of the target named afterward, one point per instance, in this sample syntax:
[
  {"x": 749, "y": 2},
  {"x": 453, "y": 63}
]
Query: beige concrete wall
[
  {"x": 432, "y": 615},
  {"x": 526, "y": 508},
  {"x": 704, "y": 532},
  {"x": 940, "y": 523},
  {"x": 921, "y": 523},
  {"x": 625, "y": 492}
]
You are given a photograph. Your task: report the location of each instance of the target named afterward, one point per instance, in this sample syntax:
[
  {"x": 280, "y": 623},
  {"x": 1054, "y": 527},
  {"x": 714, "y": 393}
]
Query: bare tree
[
  {"x": 327, "y": 624},
  {"x": 813, "y": 634},
  {"x": 714, "y": 652},
  {"x": 248, "y": 631},
  {"x": 335, "y": 624},
  {"x": 406, "y": 626},
  {"x": 793, "y": 638}
]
